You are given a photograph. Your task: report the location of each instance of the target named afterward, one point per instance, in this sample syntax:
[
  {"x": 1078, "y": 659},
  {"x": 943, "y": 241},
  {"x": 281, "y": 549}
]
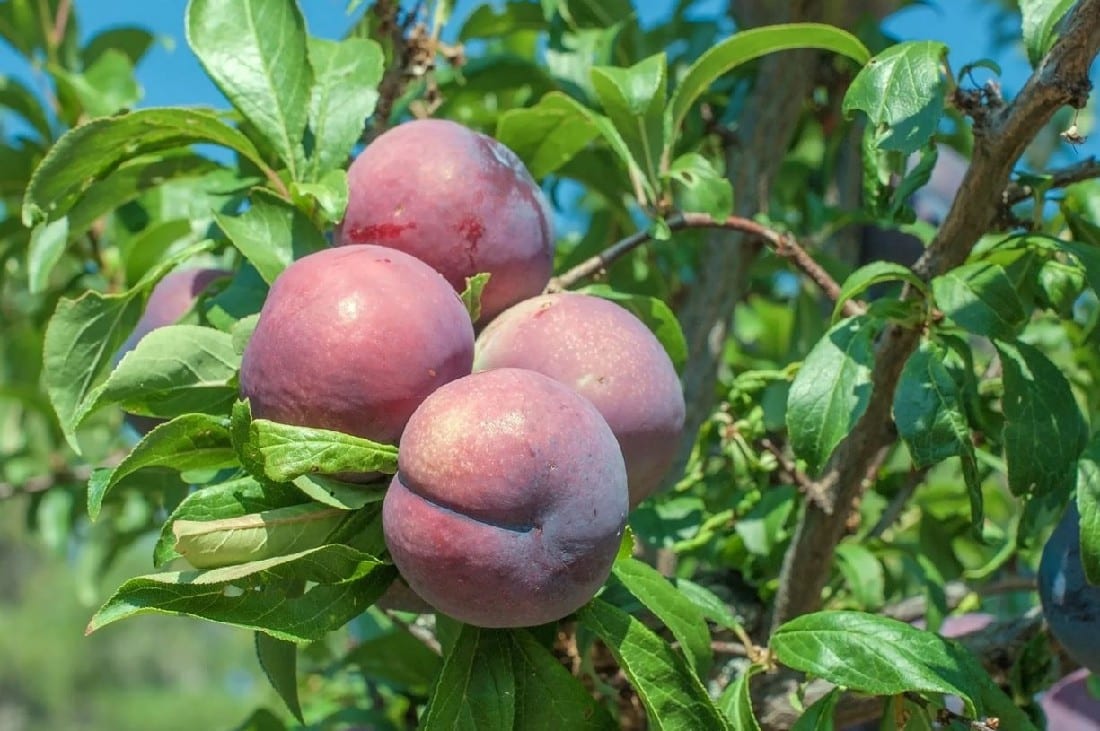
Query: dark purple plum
[
  {"x": 457, "y": 199},
  {"x": 610, "y": 357},
  {"x": 510, "y": 500},
  {"x": 353, "y": 339}
]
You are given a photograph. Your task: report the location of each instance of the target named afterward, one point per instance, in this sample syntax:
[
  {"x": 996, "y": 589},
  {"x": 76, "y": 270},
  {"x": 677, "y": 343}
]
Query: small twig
[
  {"x": 784, "y": 245},
  {"x": 898, "y": 503},
  {"x": 420, "y": 632},
  {"x": 60, "y": 22},
  {"x": 789, "y": 468},
  {"x": 1087, "y": 169}
]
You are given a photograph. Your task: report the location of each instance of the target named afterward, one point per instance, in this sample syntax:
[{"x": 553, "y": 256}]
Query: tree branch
[
  {"x": 1087, "y": 169},
  {"x": 1001, "y": 135},
  {"x": 783, "y": 244}
]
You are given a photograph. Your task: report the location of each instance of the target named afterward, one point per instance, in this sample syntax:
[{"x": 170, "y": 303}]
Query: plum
[
  {"x": 509, "y": 502},
  {"x": 457, "y": 199},
  {"x": 353, "y": 339},
  {"x": 1071, "y": 605},
  {"x": 172, "y": 297},
  {"x": 1069, "y": 706},
  {"x": 610, "y": 357}
]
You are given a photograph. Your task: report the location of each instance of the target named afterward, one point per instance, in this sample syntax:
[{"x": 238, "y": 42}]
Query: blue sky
[{"x": 170, "y": 75}]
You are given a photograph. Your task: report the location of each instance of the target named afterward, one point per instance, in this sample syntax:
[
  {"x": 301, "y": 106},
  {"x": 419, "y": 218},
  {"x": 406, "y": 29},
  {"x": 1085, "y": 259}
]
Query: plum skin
[
  {"x": 509, "y": 502},
  {"x": 608, "y": 356},
  {"x": 1071, "y": 605},
  {"x": 353, "y": 339},
  {"x": 456, "y": 199},
  {"x": 172, "y": 297}
]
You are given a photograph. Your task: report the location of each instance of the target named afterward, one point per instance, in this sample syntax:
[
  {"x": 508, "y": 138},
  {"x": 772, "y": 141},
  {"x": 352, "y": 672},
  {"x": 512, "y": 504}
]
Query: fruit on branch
[
  {"x": 1071, "y": 605},
  {"x": 509, "y": 502},
  {"x": 610, "y": 357},
  {"x": 172, "y": 298},
  {"x": 354, "y": 339},
  {"x": 1069, "y": 705},
  {"x": 456, "y": 199}
]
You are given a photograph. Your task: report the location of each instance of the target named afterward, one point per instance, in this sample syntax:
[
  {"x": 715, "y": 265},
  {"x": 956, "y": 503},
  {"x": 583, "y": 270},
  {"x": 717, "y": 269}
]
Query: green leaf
[
  {"x": 981, "y": 299},
  {"x": 104, "y": 87},
  {"x": 345, "y": 90},
  {"x": 131, "y": 41},
  {"x": 230, "y": 499},
  {"x": 279, "y": 661},
  {"x": 271, "y": 234},
  {"x": 261, "y": 595},
  {"x": 832, "y": 388},
  {"x": 863, "y": 573},
  {"x": 128, "y": 181},
  {"x": 1044, "y": 431},
  {"x": 17, "y": 97},
  {"x": 634, "y": 99},
  {"x": 673, "y": 695},
  {"x": 504, "y": 679},
  {"x": 488, "y": 22},
  {"x": 255, "y": 51},
  {"x": 399, "y": 658},
  {"x": 1040, "y": 19},
  {"x": 676, "y": 611},
  {"x": 705, "y": 189},
  {"x": 211, "y": 544},
  {"x": 174, "y": 370},
  {"x": 930, "y": 417},
  {"x": 876, "y": 655},
  {"x": 903, "y": 89},
  {"x": 549, "y": 134},
  {"x": 1088, "y": 506},
  {"x": 282, "y": 452},
  {"x": 262, "y": 720},
  {"x": 655, "y": 313},
  {"x": 188, "y": 442},
  {"x": 747, "y": 45},
  {"x": 736, "y": 700},
  {"x": 337, "y": 494},
  {"x": 471, "y": 295},
  {"x": 46, "y": 248},
  {"x": 871, "y": 274},
  {"x": 819, "y": 716},
  {"x": 82, "y": 336},
  {"x": 712, "y": 607},
  {"x": 91, "y": 151},
  {"x": 329, "y": 194}
]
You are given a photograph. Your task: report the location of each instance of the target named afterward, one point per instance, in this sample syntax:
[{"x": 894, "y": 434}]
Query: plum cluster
[{"x": 522, "y": 448}]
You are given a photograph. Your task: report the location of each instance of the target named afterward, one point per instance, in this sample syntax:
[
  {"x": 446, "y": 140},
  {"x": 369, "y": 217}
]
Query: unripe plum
[
  {"x": 353, "y": 339},
  {"x": 1071, "y": 605},
  {"x": 509, "y": 502},
  {"x": 456, "y": 199},
  {"x": 172, "y": 297},
  {"x": 610, "y": 357}
]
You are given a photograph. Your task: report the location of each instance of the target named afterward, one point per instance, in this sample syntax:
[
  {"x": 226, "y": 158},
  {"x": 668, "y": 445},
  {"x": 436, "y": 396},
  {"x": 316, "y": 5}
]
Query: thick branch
[
  {"x": 783, "y": 244},
  {"x": 1001, "y": 134}
]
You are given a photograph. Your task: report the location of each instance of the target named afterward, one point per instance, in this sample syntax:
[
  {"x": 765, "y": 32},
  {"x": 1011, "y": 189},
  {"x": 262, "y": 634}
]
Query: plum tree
[
  {"x": 1071, "y": 605},
  {"x": 353, "y": 339},
  {"x": 172, "y": 297},
  {"x": 509, "y": 502},
  {"x": 456, "y": 199},
  {"x": 608, "y": 356}
]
